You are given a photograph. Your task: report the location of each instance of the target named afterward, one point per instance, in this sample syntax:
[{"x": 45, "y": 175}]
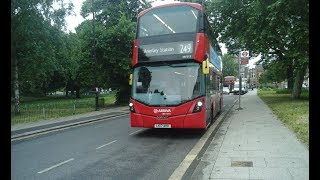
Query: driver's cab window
[{"x": 144, "y": 78}]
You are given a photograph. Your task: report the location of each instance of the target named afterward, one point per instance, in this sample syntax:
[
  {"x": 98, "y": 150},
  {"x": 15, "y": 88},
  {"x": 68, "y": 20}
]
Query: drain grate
[{"x": 241, "y": 164}]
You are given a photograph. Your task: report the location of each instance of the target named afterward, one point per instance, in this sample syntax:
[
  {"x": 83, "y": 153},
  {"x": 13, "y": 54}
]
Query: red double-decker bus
[
  {"x": 229, "y": 82},
  {"x": 176, "y": 80}
]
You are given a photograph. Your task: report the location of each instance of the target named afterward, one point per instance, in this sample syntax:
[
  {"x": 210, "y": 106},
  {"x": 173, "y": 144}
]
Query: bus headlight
[
  {"x": 198, "y": 107},
  {"x": 131, "y": 108}
]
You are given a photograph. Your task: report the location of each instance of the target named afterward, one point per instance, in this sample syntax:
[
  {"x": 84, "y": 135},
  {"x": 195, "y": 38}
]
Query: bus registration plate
[{"x": 162, "y": 126}]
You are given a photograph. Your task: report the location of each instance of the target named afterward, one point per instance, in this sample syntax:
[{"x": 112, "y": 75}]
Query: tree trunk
[
  {"x": 72, "y": 87},
  {"x": 297, "y": 86},
  {"x": 123, "y": 95},
  {"x": 68, "y": 87},
  {"x": 67, "y": 90},
  {"x": 77, "y": 92},
  {"x": 290, "y": 76},
  {"x": 77, "y": 89},
  {"x": 16, "y": 89},
  {"x": 77, "y": 86}
]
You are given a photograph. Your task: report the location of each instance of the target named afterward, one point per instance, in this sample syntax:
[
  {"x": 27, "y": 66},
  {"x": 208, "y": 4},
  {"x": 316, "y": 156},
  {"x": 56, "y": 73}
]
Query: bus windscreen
[
  {"x": 168, "y": 20},
  {"x": 170, "y": 84}
]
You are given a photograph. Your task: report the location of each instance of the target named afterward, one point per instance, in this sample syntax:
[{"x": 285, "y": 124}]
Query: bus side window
[
  {"x": 214, "y": 82},
  {"x": 210, "y": 83},
  {"x": 220, "y": 85}
]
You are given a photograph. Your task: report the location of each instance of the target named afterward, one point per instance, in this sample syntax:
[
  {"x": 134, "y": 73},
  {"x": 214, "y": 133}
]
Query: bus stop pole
[{"x": 240, "y": 83}]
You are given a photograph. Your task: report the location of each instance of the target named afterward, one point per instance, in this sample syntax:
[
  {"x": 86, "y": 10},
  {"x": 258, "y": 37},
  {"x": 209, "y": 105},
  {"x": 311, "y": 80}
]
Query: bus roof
[{"x": 195, "y": 5}]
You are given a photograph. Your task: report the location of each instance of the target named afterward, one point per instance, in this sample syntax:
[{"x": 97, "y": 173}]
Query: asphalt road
[{"x": 109, "y": 149}]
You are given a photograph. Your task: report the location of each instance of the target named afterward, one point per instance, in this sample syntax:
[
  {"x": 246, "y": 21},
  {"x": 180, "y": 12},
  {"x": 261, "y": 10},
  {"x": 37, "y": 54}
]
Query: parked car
[
  {"x": 226, "y": 90},
  {"x": 244, "y": 88}
]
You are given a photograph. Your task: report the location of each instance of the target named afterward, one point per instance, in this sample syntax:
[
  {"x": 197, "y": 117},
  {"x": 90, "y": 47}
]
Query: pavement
[{"x": 250, "y": 143}]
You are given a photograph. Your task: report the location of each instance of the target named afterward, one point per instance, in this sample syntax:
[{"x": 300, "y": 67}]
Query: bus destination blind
[{"x": 173, "y": 48}]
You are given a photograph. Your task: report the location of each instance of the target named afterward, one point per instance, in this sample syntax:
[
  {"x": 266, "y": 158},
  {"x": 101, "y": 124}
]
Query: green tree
[
  {"x": 277, "y": 29},
  {"x": 71, "y": 66},
  {"x": 35, "y": 34},
  {"x": 274, "y": 73},
  {"x": 114, "y": 33},
  {"x": 230, "y": 65}
]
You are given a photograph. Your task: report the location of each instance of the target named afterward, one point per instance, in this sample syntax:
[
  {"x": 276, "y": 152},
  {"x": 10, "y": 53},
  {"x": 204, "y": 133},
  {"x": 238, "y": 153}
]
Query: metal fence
[{"x": 35, "y": 112}]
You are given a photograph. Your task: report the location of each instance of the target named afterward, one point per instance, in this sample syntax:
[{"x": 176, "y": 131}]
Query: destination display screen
[{"x": 172, "y": 48}]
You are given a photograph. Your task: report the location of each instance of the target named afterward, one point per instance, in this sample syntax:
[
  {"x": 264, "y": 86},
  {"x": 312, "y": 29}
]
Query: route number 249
[{"x": 185, "y": 48}]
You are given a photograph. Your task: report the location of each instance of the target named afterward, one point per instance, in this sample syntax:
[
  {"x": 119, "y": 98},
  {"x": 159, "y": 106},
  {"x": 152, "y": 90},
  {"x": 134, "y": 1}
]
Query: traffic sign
[
  {"x": 244, "y": 55},
  {"x": 244, "y": 61}
]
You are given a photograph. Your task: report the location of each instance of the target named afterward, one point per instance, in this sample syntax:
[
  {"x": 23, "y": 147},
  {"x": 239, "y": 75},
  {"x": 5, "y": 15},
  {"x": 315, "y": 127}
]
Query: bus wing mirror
[
  {"x": 205, "y": 67},
  {"x": 130, "y": 79}
]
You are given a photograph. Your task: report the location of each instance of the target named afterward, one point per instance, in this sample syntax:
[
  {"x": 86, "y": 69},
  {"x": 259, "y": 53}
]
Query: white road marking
[
  {"x": 59, "y": 164},
  {"x": 106, "y": 144},
  {"x": 135, "y": 132},
  {"x": 184, "y": 165}
]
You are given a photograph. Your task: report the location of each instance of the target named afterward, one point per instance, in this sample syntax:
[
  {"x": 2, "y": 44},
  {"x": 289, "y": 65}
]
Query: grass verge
[
  {"x": 293, "y": 112},
  {"x": 38, "y": 109}
]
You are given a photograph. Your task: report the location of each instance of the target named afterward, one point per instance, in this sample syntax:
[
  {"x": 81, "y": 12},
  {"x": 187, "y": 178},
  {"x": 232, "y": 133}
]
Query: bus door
[{"x": 209, "y": 96}]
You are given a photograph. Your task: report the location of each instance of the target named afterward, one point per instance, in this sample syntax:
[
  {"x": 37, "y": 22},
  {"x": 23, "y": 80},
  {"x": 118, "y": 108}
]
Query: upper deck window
[{"x": 168, "y": 20}]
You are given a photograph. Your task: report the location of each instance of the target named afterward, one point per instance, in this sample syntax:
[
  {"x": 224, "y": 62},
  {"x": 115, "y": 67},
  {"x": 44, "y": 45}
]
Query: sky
[{"x": 74, "y": 20}]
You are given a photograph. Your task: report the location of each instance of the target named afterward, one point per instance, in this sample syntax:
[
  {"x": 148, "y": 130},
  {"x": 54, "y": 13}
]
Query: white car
[
  {"x": 243, "y": 88},
  {"x": 226, "y": 90}
]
